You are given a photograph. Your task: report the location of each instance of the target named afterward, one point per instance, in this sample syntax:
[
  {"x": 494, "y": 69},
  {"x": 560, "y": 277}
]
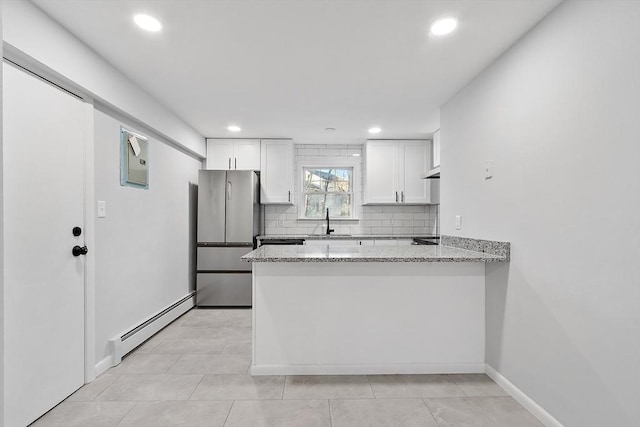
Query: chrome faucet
[{"x": 329, "y": 230}]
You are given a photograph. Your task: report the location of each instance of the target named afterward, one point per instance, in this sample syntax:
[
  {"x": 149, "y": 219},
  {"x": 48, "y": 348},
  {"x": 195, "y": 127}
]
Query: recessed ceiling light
[
  {"x": 147, "y": 22},
  {"x": 375, "y": 130},
  {"x": 444, "y": 26},
  {"x": 234, "y": 128}
]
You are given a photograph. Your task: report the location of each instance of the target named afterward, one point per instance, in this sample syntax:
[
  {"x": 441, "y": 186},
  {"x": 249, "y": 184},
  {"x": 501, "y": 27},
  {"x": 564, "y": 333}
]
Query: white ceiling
[{"x": 291, "y": 68}]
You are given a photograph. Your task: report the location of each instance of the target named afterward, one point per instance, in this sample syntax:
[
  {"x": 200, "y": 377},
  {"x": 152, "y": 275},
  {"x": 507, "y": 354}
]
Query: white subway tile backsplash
[
  {"x": 394, "y": 220},
  {"x": 402, "y": 215},
  {"x": 307, "y": 152}
]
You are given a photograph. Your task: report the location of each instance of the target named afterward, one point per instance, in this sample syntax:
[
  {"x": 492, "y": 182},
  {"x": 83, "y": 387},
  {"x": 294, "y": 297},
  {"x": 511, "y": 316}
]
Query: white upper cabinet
[
  {"x": 381, "y": 172},
  {"x": 234, "y": 154},
  {"x": 276, "y": 172},
  {"x": 415, "y": 160},
  {"x": 436, "y": 149},
  {"x": 393, "y": 172}
]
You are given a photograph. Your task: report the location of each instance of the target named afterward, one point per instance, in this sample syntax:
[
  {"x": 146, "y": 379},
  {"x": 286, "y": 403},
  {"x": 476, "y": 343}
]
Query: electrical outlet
[
  {"x": 458, "y": 222},
  {"x": 280, "y": 222}
]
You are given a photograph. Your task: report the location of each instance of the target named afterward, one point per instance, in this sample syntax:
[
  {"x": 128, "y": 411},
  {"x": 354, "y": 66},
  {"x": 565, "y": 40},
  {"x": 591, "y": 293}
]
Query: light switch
[
  {"x": 102, "y": 208},
  {"x": 458, "y": 222}
]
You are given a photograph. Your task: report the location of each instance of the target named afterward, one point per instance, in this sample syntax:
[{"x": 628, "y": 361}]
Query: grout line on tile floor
[
  {"x": 228, "y": 413},
  {"x": 176, "y": 361},
  {"x": 195, "y": 388},
  {"x": 429, "y": 410},
  {"x": 128, "y": 412},
  {"x": 284, "y": 384},
  {"x": 330, "y": 417},
  {"x": 371, "y": 387},
  {"x": 95, "y": 399}
]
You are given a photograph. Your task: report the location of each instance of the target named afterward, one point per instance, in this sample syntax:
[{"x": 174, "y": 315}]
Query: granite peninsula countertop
[{"x": 327, "y": 253}]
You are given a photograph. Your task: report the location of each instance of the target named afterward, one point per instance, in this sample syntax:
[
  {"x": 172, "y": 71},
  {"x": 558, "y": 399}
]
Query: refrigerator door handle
[{"x": 229, "y": 187}]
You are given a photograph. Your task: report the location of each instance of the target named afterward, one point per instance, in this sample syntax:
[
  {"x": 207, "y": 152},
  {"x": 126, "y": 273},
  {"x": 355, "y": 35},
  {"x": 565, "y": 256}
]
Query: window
[{"x": 327, "y": 188}]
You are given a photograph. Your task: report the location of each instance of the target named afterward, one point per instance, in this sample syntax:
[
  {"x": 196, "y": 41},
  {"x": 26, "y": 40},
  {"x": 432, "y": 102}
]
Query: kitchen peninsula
[{"x": 371, "y": 310}]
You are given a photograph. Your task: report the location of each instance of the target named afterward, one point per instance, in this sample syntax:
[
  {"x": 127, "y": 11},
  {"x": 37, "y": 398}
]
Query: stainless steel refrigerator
[{"x": 228, "y": 222}]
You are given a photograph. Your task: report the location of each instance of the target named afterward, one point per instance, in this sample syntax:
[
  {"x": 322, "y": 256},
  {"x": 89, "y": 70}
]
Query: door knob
[{"x": 79, "y": 250}]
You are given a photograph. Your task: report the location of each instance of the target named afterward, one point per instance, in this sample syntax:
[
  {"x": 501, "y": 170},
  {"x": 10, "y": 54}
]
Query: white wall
[
  {"x": 144, "y": 247},
  {"x": 46, "y": 43},
  {"x": 1, "y": 244},
  {"x": 559, "y": 114},
  {"x": 391, "y": 220}
]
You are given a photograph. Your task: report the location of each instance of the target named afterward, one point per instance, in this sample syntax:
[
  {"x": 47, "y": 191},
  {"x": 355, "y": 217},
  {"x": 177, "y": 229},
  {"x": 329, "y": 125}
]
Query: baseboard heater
[{"x": 127, "y": 341}]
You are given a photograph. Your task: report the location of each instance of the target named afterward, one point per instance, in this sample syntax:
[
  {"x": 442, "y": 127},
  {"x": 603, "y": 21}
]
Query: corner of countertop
[{"x": 493, "y": 247}]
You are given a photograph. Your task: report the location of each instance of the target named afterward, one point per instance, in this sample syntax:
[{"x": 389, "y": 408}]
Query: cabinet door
[
  {"x": 246, "y": 155},
  {"x": 415, "y": 160},
  {"x": 436, "y": 148},
  {"x": 381, "y": 172},
  {"x": 219, "y": 154},
  {"x": 276, "y": 172}
]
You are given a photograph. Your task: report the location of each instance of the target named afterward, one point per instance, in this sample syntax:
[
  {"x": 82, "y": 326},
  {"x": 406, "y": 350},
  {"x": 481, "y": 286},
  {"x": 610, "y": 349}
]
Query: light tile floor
[{"x": 195, "y": 372}]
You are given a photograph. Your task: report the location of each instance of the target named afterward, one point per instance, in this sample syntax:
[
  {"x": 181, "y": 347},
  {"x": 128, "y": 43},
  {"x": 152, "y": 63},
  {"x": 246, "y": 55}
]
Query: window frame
[{"x": 325, "y": 163}]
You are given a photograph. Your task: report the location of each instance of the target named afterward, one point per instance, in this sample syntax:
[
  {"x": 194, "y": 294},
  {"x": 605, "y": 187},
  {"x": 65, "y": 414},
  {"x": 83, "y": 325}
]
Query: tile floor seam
[
  {"x": 371, "y": 387},
  {"x": 228, "y": 413},
  {"x": 432, "y": 414},
  {"x": 174, "y": 363},
  {"x": 95, "y": 399},
  {"x": 128, "y": 412},
  {"x": 195, "y": 388},
  {"x": 284, "y": 385},
  {"x": 330, "y": 416}
]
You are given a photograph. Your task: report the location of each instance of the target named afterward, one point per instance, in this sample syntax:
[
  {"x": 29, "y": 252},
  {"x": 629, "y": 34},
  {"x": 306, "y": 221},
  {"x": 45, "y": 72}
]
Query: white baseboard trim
[
  {"x": 125, "y": 342},
  {"x": 102, "y": 366},
  {"x": 529, "y": 404},
  {"x": 371, "y": 369}
]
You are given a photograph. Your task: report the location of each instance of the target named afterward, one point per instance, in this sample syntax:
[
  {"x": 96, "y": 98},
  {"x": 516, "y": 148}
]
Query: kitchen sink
[{"x": 329, "y": 235}]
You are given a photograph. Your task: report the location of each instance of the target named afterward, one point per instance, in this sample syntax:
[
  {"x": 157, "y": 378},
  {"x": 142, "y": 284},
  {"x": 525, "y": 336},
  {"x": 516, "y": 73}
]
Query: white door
[{"x": 44, "y": 135}]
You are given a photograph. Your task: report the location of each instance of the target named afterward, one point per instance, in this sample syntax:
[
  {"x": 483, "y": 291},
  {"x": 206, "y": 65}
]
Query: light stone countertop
[{"x": 327, "y": 253}]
